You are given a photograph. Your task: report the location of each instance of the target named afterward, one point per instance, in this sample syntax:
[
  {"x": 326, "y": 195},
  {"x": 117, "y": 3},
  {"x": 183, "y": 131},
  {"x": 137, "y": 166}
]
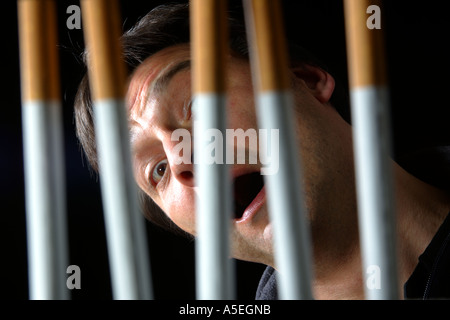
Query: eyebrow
[{"x": 163, "y": 81}]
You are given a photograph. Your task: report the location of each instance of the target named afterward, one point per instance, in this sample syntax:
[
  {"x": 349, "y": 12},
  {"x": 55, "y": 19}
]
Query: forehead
[{"x": 142, "y": 81}]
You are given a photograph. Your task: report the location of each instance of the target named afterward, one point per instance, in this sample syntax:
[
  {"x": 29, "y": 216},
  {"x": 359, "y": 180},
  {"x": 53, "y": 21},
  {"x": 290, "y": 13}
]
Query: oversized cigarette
[
  {"x": 45, "y": 188},
  {"x": 214, "y": 271},
  {"x": 125, "y": 226},
  {"x": 372, "y": 147},
  {"x": 268, "y": 53}
]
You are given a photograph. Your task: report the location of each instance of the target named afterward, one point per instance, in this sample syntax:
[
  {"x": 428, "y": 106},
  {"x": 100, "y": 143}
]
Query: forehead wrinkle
[
  {"x": 162, "y": 82},
  {"x": 137, "y": 95},
  {"x": 134, "y": 126},
  {"x": 140, "y": 127},
  {"x": 141, "y": 82},
  {"x": 140, "y": 91}
]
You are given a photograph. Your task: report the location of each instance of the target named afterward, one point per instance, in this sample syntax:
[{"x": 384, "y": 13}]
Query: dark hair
[{"x": 162, "y": 27}]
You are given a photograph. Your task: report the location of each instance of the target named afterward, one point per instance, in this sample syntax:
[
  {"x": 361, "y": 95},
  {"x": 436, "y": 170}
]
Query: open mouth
[{"x": 246, "y": 189}]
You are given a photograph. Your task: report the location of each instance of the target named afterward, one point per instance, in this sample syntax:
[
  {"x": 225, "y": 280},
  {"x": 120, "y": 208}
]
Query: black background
[{"x": 417, "y": 34}]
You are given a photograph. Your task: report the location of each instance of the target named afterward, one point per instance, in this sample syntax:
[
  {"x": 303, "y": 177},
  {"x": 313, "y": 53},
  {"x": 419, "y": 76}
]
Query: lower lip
[{"x": 254, "y": 206}]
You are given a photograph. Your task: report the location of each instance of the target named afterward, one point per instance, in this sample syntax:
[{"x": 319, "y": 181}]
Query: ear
[{"x": 320, "y": 83}]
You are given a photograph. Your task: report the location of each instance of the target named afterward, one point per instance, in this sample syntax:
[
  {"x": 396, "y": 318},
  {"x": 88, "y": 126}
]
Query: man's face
[{"x": 159, "y": 100}]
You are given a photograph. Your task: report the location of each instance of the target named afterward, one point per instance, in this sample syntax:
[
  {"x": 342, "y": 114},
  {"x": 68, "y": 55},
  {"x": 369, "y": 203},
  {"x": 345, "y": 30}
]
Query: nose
[
  {"x": 184, "y": 173},
  {"x": 180, "y": 158}
]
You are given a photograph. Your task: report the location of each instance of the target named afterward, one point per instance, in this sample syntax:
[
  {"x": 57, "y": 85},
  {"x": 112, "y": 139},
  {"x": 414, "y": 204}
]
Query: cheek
[
  {"x": 179, "y": 204},
  {"x": 241, "y": 112},
  {"x": 241, "y": 105}
]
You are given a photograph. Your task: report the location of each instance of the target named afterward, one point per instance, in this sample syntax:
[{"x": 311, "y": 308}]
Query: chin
[{"x": 252, "y": 243}]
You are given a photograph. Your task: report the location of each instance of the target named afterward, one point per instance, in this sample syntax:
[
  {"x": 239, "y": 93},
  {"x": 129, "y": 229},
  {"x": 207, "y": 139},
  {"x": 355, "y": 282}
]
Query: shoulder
[{"x": 267, "y": 288}]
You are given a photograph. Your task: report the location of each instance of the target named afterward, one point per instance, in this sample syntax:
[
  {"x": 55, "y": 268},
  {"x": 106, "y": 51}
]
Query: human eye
[{"x": 158, "y": 171}]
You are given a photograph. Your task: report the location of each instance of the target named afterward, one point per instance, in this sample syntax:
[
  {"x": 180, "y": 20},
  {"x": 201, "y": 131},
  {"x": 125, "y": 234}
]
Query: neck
[{"x": 420, "y": 210}]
